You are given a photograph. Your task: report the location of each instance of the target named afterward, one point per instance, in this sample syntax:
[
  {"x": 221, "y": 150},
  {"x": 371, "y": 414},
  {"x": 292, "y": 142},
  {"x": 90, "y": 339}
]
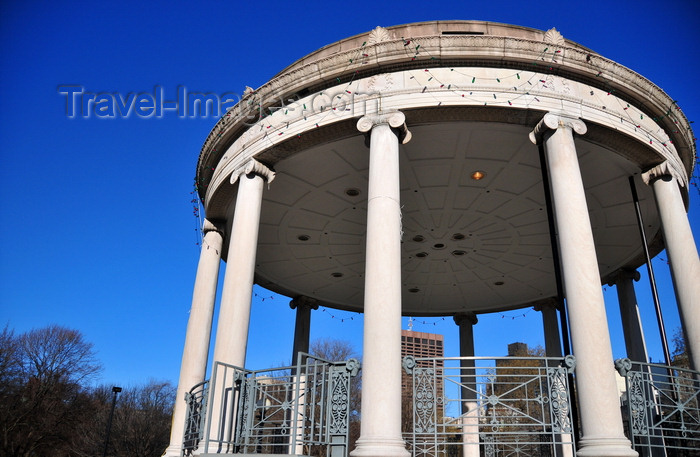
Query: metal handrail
[
  {"x": 661, "y": 407},
  {"x": 196, "y": 406},
  {"x": 489, "y": 406},
  {"x": 278, "y": 410}
]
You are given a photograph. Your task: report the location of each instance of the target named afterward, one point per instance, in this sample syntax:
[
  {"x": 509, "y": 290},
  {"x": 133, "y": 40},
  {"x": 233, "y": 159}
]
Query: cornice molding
[{"x": 375, "y": 58}]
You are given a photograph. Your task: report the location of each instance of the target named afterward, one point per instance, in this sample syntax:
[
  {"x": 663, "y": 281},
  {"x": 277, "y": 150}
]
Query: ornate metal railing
[
  {"x": 661, "y": 408},
  {"x": 196, "y": 400},
  {"x": 509, "y": 406},
  {"x": 303, "y": 409}
]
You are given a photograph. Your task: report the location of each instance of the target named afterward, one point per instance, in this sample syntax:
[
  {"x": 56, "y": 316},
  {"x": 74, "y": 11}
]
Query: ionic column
[
  {"x": 682, "y": 252},
  {"x": 468, "y": 393},
  {"x": 599, "y": 402},
  {"x": 380, "y": 434},
  {"x": 302, "y": 326},
  {"x": 550, "y": 324},
  {"x": 234, "y": 314},
  {"x": 194, "y": 356},
  {"x": 629, "y": 312}
]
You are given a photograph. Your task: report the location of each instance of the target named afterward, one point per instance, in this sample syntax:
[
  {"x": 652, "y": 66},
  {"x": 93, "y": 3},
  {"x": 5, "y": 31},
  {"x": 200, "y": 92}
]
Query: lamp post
[{"x": 115, "y": 390}]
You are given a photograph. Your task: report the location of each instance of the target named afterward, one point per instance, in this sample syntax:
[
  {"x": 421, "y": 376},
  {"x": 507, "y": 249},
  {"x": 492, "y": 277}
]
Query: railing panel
[
  {"x": 490, "y": 406},
  {"x": 196, "y": 400},
  {"x": 661, "y": 408},
  {"x": 304, "y": 409}
]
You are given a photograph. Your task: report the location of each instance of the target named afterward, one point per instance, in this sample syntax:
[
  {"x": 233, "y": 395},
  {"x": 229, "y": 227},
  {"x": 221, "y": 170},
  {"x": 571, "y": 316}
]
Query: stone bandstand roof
[{"x": 471, "y": 92}]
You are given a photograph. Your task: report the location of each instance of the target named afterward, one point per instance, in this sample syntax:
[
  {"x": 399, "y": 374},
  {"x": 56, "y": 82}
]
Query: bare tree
[
  {"x": 41, "y": 398},
  {"x": 141, "y": 423},
  {"x": 333, "y": 350},
  {"x": 47, "y": 409},
  {"x": 10, "y": 364},
  {"x": 141, "y": 426},
  {"x": 680, "y": 358},
  {"x": 57, "y": 354}
]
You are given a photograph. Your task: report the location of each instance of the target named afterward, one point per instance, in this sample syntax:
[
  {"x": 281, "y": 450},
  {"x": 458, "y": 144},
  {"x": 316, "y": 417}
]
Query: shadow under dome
[{"x": 467, "y": 245}]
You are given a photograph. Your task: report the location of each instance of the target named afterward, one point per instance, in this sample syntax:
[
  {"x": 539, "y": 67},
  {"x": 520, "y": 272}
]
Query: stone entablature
[
  {"x": 418, "y": 30},
  {"x": 570, "y": 61},
  {"x": 434, "y": 91}
]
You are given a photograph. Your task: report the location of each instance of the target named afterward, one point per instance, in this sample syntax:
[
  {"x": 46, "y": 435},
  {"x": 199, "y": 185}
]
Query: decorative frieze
[{"x": 389, "y": 50}]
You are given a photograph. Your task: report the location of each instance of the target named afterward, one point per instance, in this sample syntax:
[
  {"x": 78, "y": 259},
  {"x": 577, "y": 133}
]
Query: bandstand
[{"x": 445, "y": 169}]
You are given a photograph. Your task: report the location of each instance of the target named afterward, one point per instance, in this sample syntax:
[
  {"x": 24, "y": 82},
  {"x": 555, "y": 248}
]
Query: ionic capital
[
  {"x": 553, "y": 121},
  {"x": 302, "y": 302},
  {"x": 253, "y": 167},
  {"x": 212, "y": 226},
  {"x": 546, "y": 304},
  {"x": 624, "y": 274},
  {"x": 661, "y": 170},
  {"x": 465, "y": 318},
  {"x": 395, "y": 119}
]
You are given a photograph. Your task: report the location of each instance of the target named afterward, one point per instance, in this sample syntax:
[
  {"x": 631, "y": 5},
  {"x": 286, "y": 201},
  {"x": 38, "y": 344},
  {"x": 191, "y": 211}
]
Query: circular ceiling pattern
[{"x": 474, "y": 220}]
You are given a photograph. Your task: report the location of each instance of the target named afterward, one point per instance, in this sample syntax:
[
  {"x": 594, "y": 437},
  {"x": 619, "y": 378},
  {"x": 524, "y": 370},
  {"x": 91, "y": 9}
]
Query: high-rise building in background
[{"x": 422, "y": 346}]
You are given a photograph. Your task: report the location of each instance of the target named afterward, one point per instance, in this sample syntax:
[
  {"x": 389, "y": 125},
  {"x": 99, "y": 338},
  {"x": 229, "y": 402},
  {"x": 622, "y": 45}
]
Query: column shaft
[
  {"x": 468, "y": 392},
  {"x": 381, "y": 372},
  {"x": 682, "y": 255},
  {"x": 194, "y": 356},
  {"x": 601, "y": 420},
  {"x": 629, "y": 312},
  {"x": 550, "y": 324},
  {"x": 466, "y": 322},
  {"x": 302, "y": 329}
]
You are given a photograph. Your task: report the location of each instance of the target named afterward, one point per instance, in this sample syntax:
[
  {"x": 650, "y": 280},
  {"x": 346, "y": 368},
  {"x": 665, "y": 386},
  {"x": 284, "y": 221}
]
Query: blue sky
[{"x": 98, "y": 231}]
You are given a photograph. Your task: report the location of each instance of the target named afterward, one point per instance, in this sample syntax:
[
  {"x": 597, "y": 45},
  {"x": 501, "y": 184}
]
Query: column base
[
  {"x": 380, "y": 447},
  {"x": 173, "y": 451},
  {"x": 605, "y": 447}
]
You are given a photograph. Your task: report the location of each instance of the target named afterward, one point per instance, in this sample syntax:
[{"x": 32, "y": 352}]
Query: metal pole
[
  {"x": 657, "y": 307},
  {"x": 650, "y": 270},
  {"x": 116, "y": 391}
]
